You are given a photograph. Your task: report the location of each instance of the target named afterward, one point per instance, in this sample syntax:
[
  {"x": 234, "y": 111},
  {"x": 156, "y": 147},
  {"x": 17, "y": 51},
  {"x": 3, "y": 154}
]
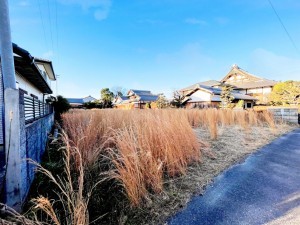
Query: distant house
[
  {"x": 79, "y": 102},
  {"x": 249, "y": 84},
  {"x": 135, "y": 99},
  {"x": 246, "y": 86},
  {"x": 204, "y": 96}
]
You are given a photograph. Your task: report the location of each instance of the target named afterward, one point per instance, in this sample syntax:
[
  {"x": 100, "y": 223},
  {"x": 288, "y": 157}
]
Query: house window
[{"x": 249, "y": 105}]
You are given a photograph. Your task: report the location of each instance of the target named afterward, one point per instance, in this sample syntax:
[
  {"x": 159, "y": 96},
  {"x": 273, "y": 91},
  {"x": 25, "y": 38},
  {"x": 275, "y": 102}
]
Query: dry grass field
[{"x": 154, "y": 159}]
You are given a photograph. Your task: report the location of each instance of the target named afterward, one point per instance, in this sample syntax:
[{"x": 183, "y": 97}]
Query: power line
[
  {"x": 56, "y": 28},
  {"x": 282, "y": 24},
  {"x": 43, "y": 25},
  {"x": 50, "y": 23}
]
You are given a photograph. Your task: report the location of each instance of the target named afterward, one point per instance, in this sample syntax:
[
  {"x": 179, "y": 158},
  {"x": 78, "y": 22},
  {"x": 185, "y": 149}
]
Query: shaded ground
[
  {"x": 233, "y": 145},
  {"x": 265, "y": 189}
]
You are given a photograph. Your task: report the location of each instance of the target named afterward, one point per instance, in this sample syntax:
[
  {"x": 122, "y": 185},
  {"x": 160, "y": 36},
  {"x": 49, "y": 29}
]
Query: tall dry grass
[
  {"x": 72, "y": 196},
  {"x": 143, "y": 145},
  {"x": 214, "y": 118},
  {"x": 71, "y": 208}
]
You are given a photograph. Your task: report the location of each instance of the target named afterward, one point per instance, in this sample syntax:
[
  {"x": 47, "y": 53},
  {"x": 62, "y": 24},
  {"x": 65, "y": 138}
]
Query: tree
[
  {"x": 148, "y": 105},
  {"x": 162, "y": 102},
  {"x": 285, "y": 93},
  {"x": 60, "y": 105},
  {"x": 106, "y": 97},
  {"x": 177, "y": 100},
  {"x": 226, "y": 96},
  {"x": 240, "y": 104}
]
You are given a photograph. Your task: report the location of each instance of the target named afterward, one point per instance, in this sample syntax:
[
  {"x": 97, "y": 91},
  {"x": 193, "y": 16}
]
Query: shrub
[{"x": 61, "y": 105}]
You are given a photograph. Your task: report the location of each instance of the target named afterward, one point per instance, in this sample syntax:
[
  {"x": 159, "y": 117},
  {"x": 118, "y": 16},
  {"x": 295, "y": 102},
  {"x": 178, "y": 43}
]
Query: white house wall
[
  {"x": 265, "y": 90},
  {"x": 200, "y": 96},
  {"x": 25, "y": 85}
]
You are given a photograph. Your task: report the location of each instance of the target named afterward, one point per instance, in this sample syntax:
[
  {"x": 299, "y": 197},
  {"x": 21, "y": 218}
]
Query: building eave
[{"x": 32, "y": 73}]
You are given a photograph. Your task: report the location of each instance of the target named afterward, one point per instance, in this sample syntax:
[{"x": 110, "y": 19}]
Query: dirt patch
[{"x": 232, "y": 146}]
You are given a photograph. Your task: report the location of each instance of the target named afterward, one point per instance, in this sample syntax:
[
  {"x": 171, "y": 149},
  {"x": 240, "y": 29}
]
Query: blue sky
[{"x": 160, "y": 45}]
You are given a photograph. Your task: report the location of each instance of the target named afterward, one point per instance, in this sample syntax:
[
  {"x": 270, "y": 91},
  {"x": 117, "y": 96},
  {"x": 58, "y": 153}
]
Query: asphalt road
[{"x": 265, "y": 189}]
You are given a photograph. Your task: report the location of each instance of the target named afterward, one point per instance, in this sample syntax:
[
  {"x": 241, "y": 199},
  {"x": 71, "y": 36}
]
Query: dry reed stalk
[
  {"x": 128, "y": 166},
  {"x": 241, "y": 118},
  {"x": 153, "y": 142},
  {"x": 13, "y": 218},
  {"x": 212, "y": 118},
  {"x": 253, "y": 118},
  {"x": 268, "y": 117},
  {"x": 71, "y": 192}
]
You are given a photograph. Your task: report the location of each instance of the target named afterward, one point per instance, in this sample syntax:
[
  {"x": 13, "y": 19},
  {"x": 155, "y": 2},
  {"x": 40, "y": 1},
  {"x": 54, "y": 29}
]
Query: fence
[
  {"x": 35, "y": 109},
  {"x": 285, "y": 114}
]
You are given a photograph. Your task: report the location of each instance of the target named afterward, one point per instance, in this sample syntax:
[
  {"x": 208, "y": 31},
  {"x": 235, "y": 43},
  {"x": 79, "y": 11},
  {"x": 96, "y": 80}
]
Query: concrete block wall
[
  {"x": 33, "y": 140},
  {"x": 286, "y": 114}
]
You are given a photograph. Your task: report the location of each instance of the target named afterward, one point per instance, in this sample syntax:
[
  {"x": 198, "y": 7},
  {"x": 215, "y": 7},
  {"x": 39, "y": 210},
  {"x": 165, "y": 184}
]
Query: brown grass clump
[{"x": 154, "y": 142}]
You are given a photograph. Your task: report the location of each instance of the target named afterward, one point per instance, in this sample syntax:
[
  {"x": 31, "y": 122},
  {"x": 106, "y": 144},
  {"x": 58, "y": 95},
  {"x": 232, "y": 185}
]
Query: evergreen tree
[
  {"x": 106, "y": 97},
  {"x": 226, "y": 96}
]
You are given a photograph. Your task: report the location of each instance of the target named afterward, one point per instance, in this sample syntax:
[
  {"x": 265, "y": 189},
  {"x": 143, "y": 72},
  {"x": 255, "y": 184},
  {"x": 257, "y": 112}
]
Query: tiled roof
[
  {"x": 209, "y": 83},
  {"x": 253, "y": 81},
  {"x": 141, "y": 92},
  {"x": 81, "y": 100},
  {"x": 216, "y": 92},
  {"x": 124, "y": 98},
  {"x": 148, "y": 98},
  {"x": 240, "y": 96},
  {"x": 89, "y": 99},
  {"x": 254, "y": 84},
  {"x": 139, "y": 96},
  {"x": 75, "y": 100}
]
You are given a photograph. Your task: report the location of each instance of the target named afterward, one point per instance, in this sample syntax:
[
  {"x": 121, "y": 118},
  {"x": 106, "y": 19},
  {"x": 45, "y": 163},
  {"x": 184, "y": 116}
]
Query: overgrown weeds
[
  {"x": 145, "y": 145},
  {"x": 136, "y": 151}
]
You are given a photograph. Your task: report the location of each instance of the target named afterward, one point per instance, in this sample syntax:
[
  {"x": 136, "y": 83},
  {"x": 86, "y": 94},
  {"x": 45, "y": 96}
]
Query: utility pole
[
  {"x": 12, "y": 137},
  {"x": 7, "y": 58}
]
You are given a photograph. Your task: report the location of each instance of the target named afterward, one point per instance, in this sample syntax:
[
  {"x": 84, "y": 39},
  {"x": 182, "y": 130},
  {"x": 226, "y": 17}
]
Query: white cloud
[
  {"x": 273, "y": 66},
  {"x": 48, "y": 55},
  {"x": 101, "y": 8},
  {"x": 195, "y": 21}
]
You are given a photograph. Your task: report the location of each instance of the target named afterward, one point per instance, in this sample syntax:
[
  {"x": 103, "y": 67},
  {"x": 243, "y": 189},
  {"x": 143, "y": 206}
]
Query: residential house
[
  {"x": 249, "y": 84},
  {"x": 135, "y": 99},
  {"x": 79, "y": 102},
  {"x": 35, "y": 120},
  {"x": 202, "y": 96},
  {"x": 243, "y": 84}
]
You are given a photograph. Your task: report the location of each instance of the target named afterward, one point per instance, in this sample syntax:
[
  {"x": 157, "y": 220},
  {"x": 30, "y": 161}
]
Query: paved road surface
[{"x": 265, "y": 189}]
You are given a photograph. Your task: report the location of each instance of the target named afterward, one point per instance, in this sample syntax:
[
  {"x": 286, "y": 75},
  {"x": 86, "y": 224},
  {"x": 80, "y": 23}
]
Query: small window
[{"x": 249, "y": 105}]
